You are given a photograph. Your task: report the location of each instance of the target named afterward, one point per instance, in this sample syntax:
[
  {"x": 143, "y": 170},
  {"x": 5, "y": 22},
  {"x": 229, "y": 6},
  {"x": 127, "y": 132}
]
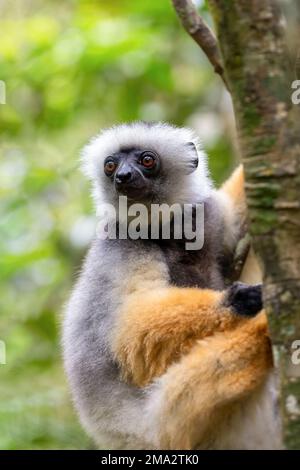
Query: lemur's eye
[
  {"x": 148, "y": 160},
  {"x": 109, "y": 167}
]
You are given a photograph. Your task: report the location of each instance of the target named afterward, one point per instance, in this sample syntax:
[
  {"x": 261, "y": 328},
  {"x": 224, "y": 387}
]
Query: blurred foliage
[{"x": 71, "y": 67}]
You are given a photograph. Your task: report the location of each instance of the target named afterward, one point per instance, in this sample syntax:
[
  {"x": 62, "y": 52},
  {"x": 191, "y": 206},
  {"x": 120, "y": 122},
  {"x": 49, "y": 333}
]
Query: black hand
[{"x": 244, "y": 299}]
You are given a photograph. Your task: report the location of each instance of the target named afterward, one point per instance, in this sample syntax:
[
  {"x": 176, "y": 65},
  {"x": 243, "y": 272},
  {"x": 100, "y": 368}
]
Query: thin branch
[
  {"x": 240, "y": 257},
  {"x": 201, "y": 33}
]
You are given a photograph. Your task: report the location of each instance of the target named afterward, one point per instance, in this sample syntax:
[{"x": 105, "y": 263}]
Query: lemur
[{"x": 159, "y": 353}]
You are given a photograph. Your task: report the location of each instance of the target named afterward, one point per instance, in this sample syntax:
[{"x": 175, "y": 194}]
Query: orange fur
[
  {"x": 232, "y": 202},
  {"x": 235, "y": 214},
  {"x": 207, "y": 384},
  {"x": 156, "y": 328},
  {"x": 234, "y": 189}
]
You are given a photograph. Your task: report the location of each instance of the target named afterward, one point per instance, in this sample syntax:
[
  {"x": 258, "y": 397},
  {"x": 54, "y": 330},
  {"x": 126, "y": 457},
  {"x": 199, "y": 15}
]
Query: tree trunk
[{"x": 259, "y": 77}]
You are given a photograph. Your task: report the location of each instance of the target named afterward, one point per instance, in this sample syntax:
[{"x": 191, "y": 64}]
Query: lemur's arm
[{"x": 155, "y": 328}]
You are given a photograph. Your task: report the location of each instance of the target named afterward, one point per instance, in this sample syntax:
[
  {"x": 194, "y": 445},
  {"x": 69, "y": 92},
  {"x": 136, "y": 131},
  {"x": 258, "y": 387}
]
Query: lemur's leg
[
  {"x": 233, "y": 190},
  {"x": 232, "y": 198},
  {"x": 189, "y": 403},
  {"x": 155, "y": 328}
]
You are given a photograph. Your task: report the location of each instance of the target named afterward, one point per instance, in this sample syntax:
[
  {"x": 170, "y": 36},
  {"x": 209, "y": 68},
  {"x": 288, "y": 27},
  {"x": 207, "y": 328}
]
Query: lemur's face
[
  {"x": 134, "y": 173},
  {"x": 151, "y": 163}
]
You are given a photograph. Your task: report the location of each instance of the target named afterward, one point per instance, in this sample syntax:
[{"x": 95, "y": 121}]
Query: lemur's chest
[
  {"x": 188, "y": 268},
  {"x": 197, "y": 268}
]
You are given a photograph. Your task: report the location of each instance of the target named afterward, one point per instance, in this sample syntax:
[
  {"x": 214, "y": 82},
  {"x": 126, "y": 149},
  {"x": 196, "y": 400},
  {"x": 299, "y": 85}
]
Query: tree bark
[{"x": 259, "y": 76}]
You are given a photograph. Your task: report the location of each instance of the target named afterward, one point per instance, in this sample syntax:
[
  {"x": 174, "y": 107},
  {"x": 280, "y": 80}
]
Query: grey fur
[{"x": 100, "y": 397}]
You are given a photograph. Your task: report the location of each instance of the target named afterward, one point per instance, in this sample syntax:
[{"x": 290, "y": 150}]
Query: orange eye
[
  {"x": 148, "y": 160},
  {"x": 109, "y": 167}
]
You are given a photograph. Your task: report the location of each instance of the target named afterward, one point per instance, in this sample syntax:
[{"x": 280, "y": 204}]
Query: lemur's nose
[{"x": 123, "y": 176}]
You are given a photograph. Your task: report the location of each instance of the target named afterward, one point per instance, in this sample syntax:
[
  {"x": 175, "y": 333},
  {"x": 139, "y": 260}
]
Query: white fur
[{"x": 167, "y": 141}]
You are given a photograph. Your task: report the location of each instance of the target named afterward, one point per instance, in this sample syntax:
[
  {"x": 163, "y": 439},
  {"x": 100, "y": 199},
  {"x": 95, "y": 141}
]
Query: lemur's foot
[{"x": 244, "y": 299}]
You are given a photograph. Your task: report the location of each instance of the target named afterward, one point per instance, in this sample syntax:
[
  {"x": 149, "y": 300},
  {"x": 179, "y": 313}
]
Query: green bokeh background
[{"x": 71, "y": 67}]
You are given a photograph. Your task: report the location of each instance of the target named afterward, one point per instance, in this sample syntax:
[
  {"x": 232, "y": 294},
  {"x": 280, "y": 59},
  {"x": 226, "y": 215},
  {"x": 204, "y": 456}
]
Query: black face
[{"x": 133, "y": 172}]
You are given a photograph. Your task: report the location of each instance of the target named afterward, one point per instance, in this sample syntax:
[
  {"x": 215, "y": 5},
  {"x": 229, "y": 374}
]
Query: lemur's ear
[{"x": 193, "y": 163}]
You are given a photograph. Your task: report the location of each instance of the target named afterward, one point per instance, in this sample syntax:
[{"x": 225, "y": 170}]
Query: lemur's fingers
[{"x": 244, "y": 299}]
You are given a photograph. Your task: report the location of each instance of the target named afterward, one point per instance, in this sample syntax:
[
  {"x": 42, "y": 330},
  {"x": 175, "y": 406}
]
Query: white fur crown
[{"x": 170, "y": 142}]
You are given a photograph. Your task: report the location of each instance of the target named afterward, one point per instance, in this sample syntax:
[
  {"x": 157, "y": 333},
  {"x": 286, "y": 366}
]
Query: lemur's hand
[{"x": 244, "y": 299}]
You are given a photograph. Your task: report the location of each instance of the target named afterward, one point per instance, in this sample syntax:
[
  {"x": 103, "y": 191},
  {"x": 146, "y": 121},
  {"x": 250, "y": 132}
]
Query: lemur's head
[{"x": 147, "y": 162}]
